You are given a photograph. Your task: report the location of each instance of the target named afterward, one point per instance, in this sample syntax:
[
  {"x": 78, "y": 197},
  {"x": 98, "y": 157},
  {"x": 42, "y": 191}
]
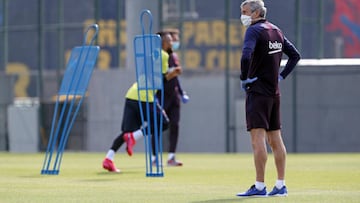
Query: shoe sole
[
  {"x": 278, "y": 195},
  {"x": 174, "y": 165},
  {"x": 110, "y": 170},
  {"x": 260, "y": 196}
]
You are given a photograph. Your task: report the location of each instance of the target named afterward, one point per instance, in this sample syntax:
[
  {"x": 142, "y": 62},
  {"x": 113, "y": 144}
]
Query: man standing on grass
[
  {"x": 263, "y": 46},
  {"x": 172, "y": 94}
]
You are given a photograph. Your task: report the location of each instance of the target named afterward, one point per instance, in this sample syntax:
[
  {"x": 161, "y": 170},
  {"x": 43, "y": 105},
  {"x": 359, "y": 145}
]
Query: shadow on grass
[
  {"x": 221, "y": 200},
  {"x": 107, "y": 173},
  {"x": 35, "y": 176}
]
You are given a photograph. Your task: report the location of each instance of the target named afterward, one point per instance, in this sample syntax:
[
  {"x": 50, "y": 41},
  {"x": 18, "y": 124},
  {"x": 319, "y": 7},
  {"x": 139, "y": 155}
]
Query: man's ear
[{"x": 257, "y": 13}]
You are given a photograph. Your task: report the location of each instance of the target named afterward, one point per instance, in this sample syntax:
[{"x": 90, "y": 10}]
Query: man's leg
[
  {"x": 260, "y": 152},
  {"x": 260, "y": 157},
  {"x": 156, "y": 135},
  {"x": 131, "y": 137},
  {"x": 257, "y": 107},
  {"x": 108, "y": 162},
  {"x": 277, "y": 145},
  {"x": 174, "y": 134},
  {"x": 130, "y": 122}
]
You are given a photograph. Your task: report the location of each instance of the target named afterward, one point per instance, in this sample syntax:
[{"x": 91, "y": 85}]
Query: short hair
[
  {"x": 161, "y": 33},
  {"x": 165, "y": 36},
  {"x": 256, "y": 5},
  {"x": 171, "y": 30}
]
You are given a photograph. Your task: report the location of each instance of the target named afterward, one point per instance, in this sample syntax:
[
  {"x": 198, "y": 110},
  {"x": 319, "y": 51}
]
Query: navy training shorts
[{"x": 262, "y": 111}]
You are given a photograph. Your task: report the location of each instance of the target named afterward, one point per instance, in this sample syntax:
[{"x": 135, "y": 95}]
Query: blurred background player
[
  {"x": 131, "y": 123},
  {"x": 173, "y": 93},
  {"x": 174, "y": 60}
]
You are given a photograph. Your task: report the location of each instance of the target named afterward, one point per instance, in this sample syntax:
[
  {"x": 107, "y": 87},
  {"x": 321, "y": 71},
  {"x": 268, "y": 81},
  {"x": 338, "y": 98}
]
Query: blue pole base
[
  {"x": 154, "y": 174},
  {"x": 49, "y": 172}
]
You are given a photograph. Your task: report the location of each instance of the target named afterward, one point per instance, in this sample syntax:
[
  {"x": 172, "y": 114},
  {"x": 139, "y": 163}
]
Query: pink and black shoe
[
  {"x": 174, "y": 162},
  {"x": 130, "y": 143},
  {"x": 110, "y": 166}
]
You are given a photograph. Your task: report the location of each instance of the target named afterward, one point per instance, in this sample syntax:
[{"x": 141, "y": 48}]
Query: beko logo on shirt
[{"x": 275, "y": 45}]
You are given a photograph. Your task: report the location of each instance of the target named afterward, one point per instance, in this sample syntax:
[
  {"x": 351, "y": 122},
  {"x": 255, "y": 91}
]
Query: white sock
[
  {"x": 110, "y": 154},
  {"x": 259, "y": 185},
  {"x": 171, "y": 155},
  {"x": 279, "y": 184},
  {"x": 153, "y": 158},
  {"x": 138, "y": 134}
]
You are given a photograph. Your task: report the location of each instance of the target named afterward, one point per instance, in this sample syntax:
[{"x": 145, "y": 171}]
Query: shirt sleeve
[
  {"x": 248, "y": 48},
  {"x": 294, "y": 57},
  {"x": 164, "y": 62}
]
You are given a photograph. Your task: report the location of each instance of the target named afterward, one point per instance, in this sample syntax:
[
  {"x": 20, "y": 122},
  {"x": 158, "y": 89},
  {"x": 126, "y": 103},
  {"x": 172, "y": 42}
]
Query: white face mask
[
  {"x": 246, "y": 20},
  {"x": 175, "y": 45}
]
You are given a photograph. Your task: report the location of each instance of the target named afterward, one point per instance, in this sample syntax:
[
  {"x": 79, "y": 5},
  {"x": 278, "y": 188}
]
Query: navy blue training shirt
[{"x": 264, "y": 44}]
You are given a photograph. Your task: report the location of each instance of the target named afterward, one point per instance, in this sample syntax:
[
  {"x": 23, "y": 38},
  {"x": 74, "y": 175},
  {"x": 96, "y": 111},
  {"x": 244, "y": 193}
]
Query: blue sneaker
[
  {"x": 278, "y": 192},
  {"x": 253, "y": 192}
]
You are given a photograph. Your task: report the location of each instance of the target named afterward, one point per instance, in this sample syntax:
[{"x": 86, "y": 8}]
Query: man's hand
[
  {"x": 280, "y": 78},
  {"x": 244, "y": 83},
  {"x": 173, "y": 72}
]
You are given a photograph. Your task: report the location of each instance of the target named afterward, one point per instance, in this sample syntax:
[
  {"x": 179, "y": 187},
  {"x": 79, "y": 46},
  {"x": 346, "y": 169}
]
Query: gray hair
[{"x": 256, "y": 5}]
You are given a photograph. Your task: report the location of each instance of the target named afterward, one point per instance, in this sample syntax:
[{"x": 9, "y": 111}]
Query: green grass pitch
[{"x": 204, "y": 178}]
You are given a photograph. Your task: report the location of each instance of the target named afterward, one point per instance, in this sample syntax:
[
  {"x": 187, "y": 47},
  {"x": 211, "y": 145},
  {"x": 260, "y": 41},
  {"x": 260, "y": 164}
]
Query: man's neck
[{"x": 257, "y": 19}]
